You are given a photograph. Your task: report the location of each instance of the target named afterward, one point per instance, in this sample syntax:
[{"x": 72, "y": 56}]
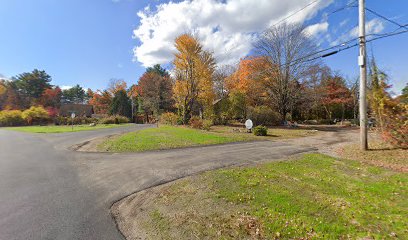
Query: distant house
[{"x": 80, "y": 110}]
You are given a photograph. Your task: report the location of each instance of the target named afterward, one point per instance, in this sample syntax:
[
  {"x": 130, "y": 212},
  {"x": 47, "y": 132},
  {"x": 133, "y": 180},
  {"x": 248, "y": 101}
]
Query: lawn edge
[{"x": 162, "y": 183}]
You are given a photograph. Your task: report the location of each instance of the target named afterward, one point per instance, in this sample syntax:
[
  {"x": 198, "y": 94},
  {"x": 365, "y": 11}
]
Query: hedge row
[
  {"x": 33, "y": 115},
  {"x": 38, "y": 115}
]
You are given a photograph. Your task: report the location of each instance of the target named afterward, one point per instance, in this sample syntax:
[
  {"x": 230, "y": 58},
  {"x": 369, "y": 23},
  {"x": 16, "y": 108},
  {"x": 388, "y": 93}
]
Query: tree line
[{"x": 273, "y": 85}]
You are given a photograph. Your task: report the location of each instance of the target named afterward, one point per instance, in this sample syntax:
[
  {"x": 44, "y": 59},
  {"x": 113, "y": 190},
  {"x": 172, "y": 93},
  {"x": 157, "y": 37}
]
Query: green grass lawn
[
  {"x": 62, "y": 129},
  {"x": 273, "y": 133},
  {"x": 314, "y": 197},
  {"x": 167, "y": 137}
]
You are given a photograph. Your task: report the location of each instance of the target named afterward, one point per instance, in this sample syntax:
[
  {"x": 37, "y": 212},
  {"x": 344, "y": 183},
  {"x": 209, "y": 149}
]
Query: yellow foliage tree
[{"x": 194, "y": 68}]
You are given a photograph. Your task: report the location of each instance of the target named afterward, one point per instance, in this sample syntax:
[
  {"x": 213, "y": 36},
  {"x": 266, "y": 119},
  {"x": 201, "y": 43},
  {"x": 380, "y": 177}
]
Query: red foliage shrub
[
  {"x": 52, "y": 112},
  {"x": 196, "y": 122},
  {"x": 395, "y": 129}
]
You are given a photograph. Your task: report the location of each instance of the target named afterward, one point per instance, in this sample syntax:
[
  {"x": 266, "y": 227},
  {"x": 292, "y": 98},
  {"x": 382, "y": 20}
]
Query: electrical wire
[
  {"x": 293, "y": 14},
  {"x": 385, "y": 18},
  {"x": 348, "y": 47}
]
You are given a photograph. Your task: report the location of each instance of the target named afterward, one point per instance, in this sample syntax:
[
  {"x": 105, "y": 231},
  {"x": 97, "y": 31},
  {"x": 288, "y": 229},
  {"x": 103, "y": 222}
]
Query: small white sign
[
  {"x": 72, "y": 115},
  {"x": 249, "y": 124}
]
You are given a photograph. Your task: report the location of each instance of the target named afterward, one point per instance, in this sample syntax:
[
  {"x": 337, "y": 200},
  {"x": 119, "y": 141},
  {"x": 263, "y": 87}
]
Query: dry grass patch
[{"x": 379, "y": 154}]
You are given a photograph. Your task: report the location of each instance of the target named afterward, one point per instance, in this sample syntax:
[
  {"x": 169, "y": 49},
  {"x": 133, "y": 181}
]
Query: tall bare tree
[
  {"x": 220, "y": 75},
  {"x": 287, "y": 47}
]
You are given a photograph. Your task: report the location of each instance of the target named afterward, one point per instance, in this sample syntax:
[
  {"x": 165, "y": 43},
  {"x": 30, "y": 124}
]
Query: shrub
[
  {"x": 169, "y": 118},
  {"x": 36, "y": 115},
  {"x": 220, "y": 119},
  {"x": 59, "y": 120},
  {"x": 114, "y": 119},
  {"x": 207, "y": 125},
  {"x": 180, "y": 120},
  {"x": 324, "y": 122},
  {"x": 260, "y": 131},
  {"x": 263, "y": 115},
  {"x": 11, "y": 118},
  {"x": 76, "y": 121},
  {"x": 395, "y": 129},
  {"x": 196, "y": 122},
  {"x": 52, "y": 112}
]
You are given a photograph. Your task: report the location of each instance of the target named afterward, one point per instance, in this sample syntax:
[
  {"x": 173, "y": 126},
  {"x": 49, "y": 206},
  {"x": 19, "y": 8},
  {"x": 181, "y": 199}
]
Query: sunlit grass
[
  {"x": 167, "y": 137},
  {"x": 314, "y": 197}
]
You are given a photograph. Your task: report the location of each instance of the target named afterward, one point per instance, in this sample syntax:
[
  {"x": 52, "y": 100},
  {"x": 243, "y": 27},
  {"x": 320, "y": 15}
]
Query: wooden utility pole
[{"x": 362, "y": 62}]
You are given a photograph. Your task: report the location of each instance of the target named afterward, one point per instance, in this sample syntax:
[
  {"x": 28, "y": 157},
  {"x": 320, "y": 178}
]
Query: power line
[
  {"x": 299, "y": 60},
  {"x": 306, "y": 6},
  {"x": 355, "y": 45},
  {"x": 385, "y": 18},
  {"x": 380, "y": 36},
  {"x": 293, "y": 14},
  {"x": 344, "y": 7},
  {"x": 388, "y": 35}
]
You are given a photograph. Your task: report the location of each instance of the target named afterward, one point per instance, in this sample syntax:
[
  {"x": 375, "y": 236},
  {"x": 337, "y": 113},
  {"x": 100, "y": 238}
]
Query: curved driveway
[{"x": 50, "y": 192}]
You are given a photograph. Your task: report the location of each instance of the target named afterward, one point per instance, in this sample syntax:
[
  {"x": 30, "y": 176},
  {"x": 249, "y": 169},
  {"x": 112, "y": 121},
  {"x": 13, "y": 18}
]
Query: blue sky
[{"x": 90, "y": 41}]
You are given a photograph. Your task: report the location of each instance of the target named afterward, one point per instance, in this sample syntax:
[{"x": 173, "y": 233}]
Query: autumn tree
[
  {"x": 250, "y": 80},
  {"x": 155, "y": 89},
  {"x": 51, "y": 97},
  {"x": 336, "y": 96},
  {"x": 308, "y": 104},
  {"x": 282, "y": 46},
  {"x": 378, "y": 95},
  {"x": 3, "y": 87},
  {"x": 116, "y": 85},
  {"x": 193, "y": 68},
  {"x": 101, "y": 100},
  {"x": 10, "y": 99}
]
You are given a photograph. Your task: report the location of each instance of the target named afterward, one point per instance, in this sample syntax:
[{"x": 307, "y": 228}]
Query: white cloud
[
  {"x": 2, "y": 77},
  {"x": 64, "y": 87},
  {"x": 226, "y": 27},
  {"x": 373, "y": 26},
  {"x": 344, "y": 22},
  {"x": 316, "y": 29}
]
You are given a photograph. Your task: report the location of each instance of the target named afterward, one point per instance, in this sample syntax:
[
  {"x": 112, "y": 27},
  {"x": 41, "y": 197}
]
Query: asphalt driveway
[{"x": 50, "y": 192}]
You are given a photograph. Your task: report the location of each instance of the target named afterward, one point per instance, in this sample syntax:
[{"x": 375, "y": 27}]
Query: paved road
[{"x": 50, "y": 192}]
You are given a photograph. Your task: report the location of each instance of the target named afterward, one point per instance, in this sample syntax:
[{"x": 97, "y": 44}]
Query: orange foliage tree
[
  {"x": 335, "y": 95},
  {"x": 116, "y": 85},
  {"x": 250, "y": 80},
  {"x": 51, "y": 97},
  {"x": 101, "y": 101}
]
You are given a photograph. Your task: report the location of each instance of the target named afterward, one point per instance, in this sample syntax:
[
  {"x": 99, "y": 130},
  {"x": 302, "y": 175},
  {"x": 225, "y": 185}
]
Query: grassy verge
[
  {"x": 62, "y": 129},
  {"x": 168, "y": 137},
  {"x": 379, "y": 154},
  {"x": 315, "y": 197}
]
